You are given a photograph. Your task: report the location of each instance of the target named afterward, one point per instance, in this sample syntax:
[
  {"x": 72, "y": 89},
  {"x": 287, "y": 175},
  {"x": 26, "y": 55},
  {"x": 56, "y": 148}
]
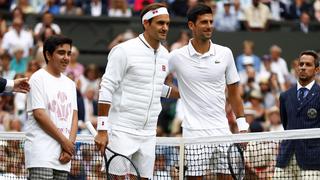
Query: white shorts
[
  {"x": 140, "y": 149},
  {"x": 205, "y": 159}
]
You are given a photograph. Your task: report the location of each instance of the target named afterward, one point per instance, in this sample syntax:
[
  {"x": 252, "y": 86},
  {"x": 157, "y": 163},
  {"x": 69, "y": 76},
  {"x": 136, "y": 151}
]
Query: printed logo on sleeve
[{"x": 164, "y": 68}]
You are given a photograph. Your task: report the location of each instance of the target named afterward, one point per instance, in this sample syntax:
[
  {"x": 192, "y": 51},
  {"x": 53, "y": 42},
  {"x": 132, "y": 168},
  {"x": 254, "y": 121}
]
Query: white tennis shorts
[
  {"x": 140, "y": 149},
  {"x": 202, "y": 160}
]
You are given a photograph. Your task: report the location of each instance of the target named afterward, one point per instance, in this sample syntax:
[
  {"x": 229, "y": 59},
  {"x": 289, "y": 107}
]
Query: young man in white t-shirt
[
  {"x": 204, "y": 70},
  {"x": 52, "y": 114}
]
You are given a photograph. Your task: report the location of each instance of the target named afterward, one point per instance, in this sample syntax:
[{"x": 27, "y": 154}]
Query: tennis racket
[
  {"x": 117, "y": 166},
  {"x": 236, "y": 162}
]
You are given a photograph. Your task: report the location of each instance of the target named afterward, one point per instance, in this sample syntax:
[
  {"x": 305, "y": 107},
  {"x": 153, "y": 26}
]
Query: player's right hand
[
  {"x": 101, "y": 140},
  {"x": 68, "y": 146}
]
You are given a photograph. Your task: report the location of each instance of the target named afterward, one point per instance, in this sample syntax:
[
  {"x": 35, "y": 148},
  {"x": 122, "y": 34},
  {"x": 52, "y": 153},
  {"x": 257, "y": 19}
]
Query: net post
[{"x": 181, "y": 162}]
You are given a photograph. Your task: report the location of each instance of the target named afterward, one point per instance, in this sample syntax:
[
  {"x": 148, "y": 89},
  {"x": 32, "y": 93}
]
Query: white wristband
[
  {"x": 102, "y": 123},
  {"x": 165, "y": 93},
  {"x": 242, "y": 124}
]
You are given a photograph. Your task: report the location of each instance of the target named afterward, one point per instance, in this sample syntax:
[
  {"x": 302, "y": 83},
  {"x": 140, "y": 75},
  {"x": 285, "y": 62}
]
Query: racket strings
[{"x": 120, "y": 168}]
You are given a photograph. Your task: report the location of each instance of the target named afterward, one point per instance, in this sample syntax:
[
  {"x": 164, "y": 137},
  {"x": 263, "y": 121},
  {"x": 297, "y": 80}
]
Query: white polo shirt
[{"x": 202, "y": 79}]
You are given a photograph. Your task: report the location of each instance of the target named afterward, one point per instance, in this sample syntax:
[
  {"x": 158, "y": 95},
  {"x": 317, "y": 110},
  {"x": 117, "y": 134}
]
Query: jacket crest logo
[{"x": 312, "y": 113}]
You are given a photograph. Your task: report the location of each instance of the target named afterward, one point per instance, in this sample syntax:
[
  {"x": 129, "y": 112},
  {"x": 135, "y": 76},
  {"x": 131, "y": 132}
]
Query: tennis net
[{"x": 244, "y": 156}]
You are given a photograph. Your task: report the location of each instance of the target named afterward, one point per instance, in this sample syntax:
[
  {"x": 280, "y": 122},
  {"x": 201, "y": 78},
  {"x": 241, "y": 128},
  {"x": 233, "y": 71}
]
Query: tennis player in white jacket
[{"x": 129, "y": 98}]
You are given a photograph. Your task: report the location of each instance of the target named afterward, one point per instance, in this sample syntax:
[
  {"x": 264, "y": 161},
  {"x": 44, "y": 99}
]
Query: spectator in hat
[
  {"x": 256, "y": 101},
  {"x": 273, "y": 119},
  {"x": 18, "y": 63},
  {"x": 6, "y": 72},
  {"x": 248, "y": 78},
  {"x": 269, "y": 99},
  {"x": 250, "y": 114},
  {"x": 249, "y": 71}
]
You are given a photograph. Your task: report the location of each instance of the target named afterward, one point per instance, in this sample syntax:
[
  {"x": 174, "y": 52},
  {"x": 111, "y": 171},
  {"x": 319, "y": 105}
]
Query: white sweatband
[
  {"x": 102, "y": 123},
  {"x": 9, "y": 85},
  {"x": 242, "y": 124},
  {"x": 156, "y": 12},
  {"x": 166, "y": 90}
]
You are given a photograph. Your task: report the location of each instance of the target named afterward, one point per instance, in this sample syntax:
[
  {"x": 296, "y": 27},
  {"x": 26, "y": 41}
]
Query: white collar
[
  {"x": 309, "y": 86},
  {"x": 193, "y": 52},
  {"x": 145, "y": 42}
]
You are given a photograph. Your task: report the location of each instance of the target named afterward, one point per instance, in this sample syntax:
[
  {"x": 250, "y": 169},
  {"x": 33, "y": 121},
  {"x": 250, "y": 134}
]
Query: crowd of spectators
[
  {"x": 230, "y": 15},
  {"x": 262, "y": 78}
]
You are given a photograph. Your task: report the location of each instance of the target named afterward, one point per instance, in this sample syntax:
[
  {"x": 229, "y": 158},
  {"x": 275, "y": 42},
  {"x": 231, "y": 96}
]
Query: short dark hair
[
  {"x": 5, "y": 56},
  {"x": 152, "y": 6},
  {"x": 313, "y": 54},
  {"x": 53, "y": 42},
  {"x": 198, "y": 10}
]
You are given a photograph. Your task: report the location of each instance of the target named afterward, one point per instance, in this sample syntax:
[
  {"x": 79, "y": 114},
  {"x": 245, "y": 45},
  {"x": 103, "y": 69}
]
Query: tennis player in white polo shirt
[
  {"x": 129, "y": 98},
  {"x": 204, "y": 70}
]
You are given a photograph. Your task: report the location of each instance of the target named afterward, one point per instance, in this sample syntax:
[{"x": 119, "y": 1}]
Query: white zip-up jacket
[{"x": 133, "y": 84}]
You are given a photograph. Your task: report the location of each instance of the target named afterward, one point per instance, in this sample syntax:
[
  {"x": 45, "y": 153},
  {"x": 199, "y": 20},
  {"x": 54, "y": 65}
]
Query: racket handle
[
  {"x": 91, "y": 128},
  {"x": 94, "y": 133}
]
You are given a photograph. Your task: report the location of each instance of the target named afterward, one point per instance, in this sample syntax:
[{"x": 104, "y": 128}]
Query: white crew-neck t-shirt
[{"x": 58, "y": 97}]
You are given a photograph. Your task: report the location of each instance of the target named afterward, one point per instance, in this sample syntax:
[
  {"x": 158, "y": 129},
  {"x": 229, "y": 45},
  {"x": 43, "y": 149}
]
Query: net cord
[{"x": 178, "y": 141}]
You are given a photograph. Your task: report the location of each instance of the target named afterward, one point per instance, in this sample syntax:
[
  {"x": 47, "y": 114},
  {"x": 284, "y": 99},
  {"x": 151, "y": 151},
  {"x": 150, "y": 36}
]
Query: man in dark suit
[
  {"x": 300, "y": 109},
  {"x": 304, "y": 24},
  {"x": 17, "y": 85}
]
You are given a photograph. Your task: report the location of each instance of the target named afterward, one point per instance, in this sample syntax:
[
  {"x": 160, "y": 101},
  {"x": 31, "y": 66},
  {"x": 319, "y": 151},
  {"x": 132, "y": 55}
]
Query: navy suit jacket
[
  {"x": 3, "y": 83},
  {"x": 300, "y": 116}
]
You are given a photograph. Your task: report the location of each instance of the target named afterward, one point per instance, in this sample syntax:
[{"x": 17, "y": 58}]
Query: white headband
[{"x": 156, "y": 12}]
